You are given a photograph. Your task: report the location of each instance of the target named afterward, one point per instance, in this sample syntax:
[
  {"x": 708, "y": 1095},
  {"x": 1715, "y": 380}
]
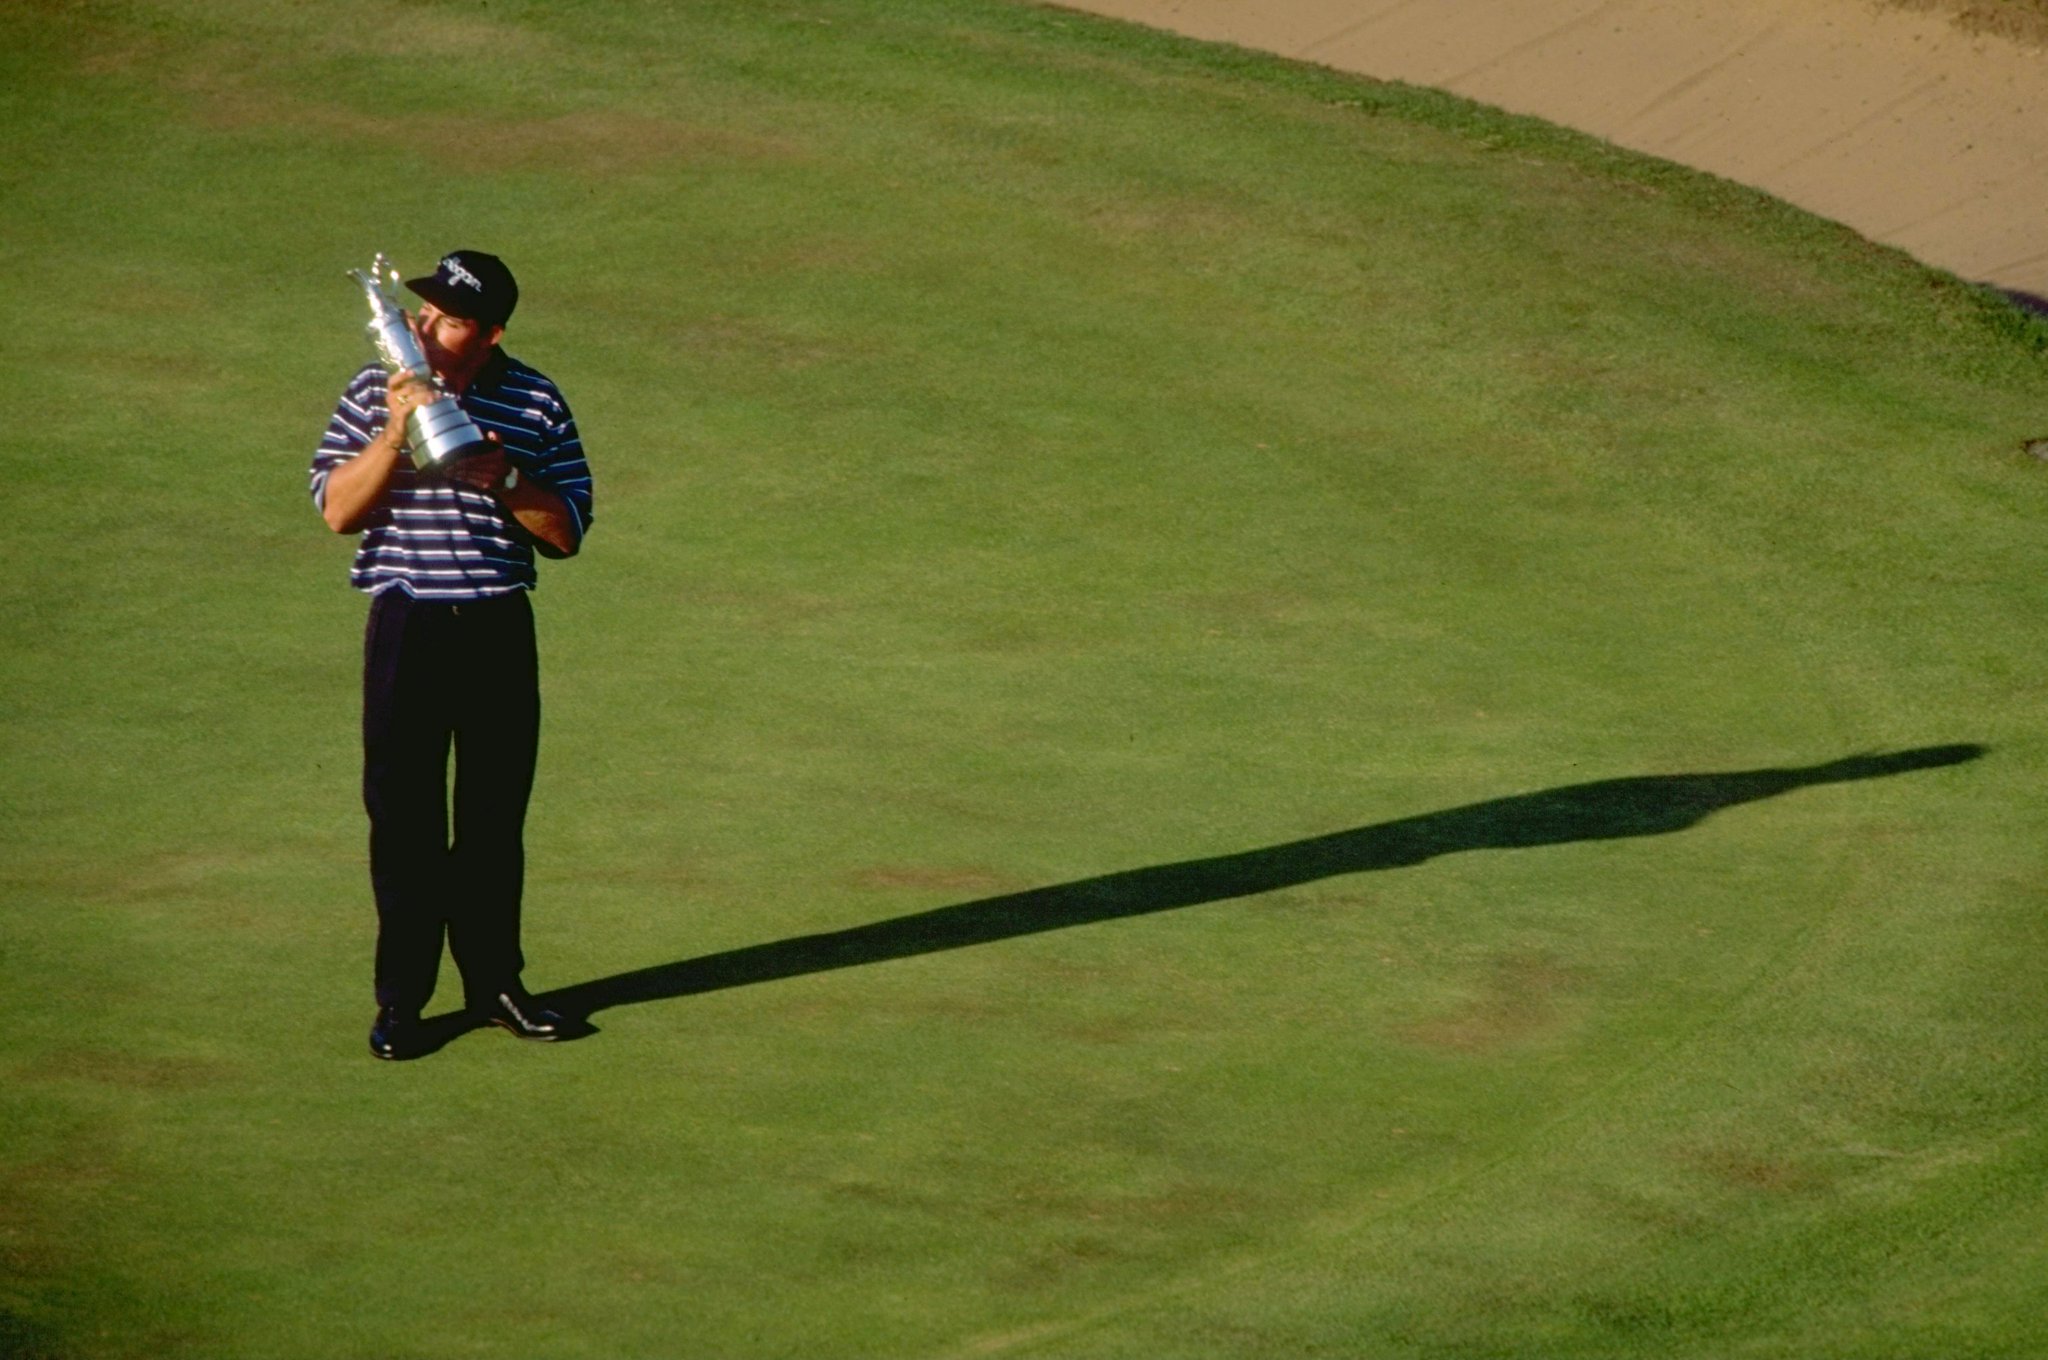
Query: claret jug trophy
[{"x": 439, "y": 432}]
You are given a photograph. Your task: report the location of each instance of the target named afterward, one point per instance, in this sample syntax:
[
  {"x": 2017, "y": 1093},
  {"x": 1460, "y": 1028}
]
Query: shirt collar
[{"x": 492, "y": 374}]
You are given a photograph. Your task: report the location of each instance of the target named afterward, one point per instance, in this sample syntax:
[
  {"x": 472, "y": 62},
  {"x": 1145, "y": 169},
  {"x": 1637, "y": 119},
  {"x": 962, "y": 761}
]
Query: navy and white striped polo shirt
[{"x": 441, "y": 541}]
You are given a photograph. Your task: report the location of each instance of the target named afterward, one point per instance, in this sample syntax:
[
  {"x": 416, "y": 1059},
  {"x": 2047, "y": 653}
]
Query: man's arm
[
  {"x": 544, "y": 515},
  {"x": 539, "y": 511},
  {"x": 355, "y": 487}
]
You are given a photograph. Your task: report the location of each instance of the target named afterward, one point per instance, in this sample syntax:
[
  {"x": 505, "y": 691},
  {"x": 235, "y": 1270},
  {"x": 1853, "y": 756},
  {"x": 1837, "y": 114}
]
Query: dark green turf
[{"x": 1089, "y": 529}]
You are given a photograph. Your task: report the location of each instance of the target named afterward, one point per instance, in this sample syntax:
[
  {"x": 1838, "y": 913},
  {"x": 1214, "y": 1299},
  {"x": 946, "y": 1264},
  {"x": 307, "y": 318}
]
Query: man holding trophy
[{"x": 455, "y": 463}]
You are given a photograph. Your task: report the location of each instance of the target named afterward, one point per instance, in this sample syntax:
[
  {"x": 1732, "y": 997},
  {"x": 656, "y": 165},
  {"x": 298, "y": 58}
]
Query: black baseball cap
[{"x": 471, "y": 284}]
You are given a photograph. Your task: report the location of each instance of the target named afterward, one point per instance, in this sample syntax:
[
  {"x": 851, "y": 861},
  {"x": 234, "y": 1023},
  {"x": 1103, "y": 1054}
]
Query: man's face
[{"x": 455, "y": 345}]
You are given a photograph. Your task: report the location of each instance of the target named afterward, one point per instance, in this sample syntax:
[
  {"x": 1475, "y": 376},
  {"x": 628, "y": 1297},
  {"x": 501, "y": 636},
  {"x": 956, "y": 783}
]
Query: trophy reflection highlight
[{"x": 439, "y": 432}]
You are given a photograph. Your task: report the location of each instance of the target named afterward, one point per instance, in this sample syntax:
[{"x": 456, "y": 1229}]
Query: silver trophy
[{"x": 439, "y": 432}]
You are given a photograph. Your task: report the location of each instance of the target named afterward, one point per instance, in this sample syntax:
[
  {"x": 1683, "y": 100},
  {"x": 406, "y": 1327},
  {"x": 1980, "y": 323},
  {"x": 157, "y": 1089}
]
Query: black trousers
[{"x": 437, "y": 677}]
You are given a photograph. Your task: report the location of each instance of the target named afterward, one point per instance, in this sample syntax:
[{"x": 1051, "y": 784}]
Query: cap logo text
[{"x": 453, "y": 268}]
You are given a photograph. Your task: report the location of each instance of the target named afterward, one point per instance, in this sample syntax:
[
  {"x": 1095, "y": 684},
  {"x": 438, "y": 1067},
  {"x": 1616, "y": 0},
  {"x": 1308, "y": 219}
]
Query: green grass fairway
[{"x": 1213, "y": 711}]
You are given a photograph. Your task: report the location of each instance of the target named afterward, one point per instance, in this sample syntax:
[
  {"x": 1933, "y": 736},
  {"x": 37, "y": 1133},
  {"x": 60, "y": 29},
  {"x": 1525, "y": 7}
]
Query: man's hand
[
  {"x": 405, "y": 393},
  {"x": 481, "y": 471}
]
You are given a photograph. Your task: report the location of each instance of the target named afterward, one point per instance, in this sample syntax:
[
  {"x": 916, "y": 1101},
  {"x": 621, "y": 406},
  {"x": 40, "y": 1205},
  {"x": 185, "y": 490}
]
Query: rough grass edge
[
  {"x": 2021, "y": 21},
  {"x": 2007, "y": 319}
]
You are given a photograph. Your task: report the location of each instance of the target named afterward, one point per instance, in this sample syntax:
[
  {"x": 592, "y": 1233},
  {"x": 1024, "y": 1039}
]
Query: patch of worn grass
[{"x": 2020, "y": 20}]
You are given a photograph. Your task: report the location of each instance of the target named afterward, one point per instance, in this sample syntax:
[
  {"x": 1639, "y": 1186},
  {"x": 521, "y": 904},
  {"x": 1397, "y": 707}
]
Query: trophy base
[
  {"x": 441, "y": 433},
  {"x": 429, "y": 458}
]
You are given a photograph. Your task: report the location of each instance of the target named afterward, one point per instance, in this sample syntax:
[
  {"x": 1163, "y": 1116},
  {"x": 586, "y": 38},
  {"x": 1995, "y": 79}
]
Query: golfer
[{"x": 446, "y": 557}]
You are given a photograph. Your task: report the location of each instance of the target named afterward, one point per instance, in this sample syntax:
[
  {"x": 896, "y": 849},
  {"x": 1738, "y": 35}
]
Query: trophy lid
[{"x": 380, "y": 279}]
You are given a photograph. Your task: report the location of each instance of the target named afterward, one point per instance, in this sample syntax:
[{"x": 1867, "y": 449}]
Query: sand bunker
[{"x": 1898, "y": 124}]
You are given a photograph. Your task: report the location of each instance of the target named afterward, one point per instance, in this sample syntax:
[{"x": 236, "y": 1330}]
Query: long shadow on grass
[{"x": 1611, "y": 809}]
